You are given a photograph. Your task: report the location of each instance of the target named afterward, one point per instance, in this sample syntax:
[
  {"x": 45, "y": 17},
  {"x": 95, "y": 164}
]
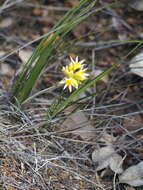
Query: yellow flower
[
  {"x": 74, "y": 65},
  {"x": 74, "y": 74},
  {"x": 80, "y": 75},
  {"x": 69, "y": 82},
  {"x": 66, "y": 70}
]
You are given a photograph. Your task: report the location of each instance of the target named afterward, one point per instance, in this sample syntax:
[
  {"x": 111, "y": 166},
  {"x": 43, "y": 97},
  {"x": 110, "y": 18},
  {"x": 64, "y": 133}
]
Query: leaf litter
[
  {"x": 133, "y": 175},
  {"x": 107, "y": 156},
  {"x": 78, "y": 124},
  {"x": 25, "y": 146}
]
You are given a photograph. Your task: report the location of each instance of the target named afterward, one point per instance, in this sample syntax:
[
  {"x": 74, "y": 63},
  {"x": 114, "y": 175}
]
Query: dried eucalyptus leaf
[
  {"x": 133, "y": 175},
  {"x": 102, "y": 157},
  {"x": 107, "y": 157},
  {"x": 79, "y": 124},
  {"x": 138, "y": 5},
  {"x": 136, "y": 65},
  {"x": 116, "y": 162}
]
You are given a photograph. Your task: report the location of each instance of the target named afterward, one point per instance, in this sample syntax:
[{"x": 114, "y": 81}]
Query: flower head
[
  {"x": 69, "y": 82},
  {"x": 74, "y": 65},
  {"x": 74, "y": 74}
]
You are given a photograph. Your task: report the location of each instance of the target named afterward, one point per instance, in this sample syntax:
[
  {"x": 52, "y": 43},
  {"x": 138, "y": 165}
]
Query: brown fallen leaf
[
  {"x": 79, "y": 124},
  {"x": 136, "y": 65},
  {"x": 137, "y": 5},
  {"x": 107, "y": 157},
  {"x": 116, "y": 162},
  {"x": 133, "y": 175}
]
